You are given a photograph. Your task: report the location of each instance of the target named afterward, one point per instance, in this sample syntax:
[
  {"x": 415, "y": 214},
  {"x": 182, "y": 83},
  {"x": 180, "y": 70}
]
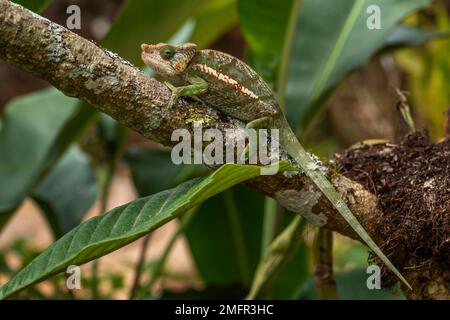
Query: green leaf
[
  {"x": 61, "y": 133},
  {"x": 67, "y": 192},
  {"x": 225, "y": 237},
  {"x": 30, "y": 128},
  {"x": 213, "y": 20},
  {"x": 294, "y": 271},
  {"x": 281, "y": 248},
  {"x": 150, "y": 21},
  {"x": 332, "y": 39},
  {"x": 293, "y": 274},
  {"x": 264, "y": 24},
  {"x": 103, "y": 234},
  {"x": 404, "y": 36},
  {"x": 33, "y": 5},
  {"x": 153, "y": 170}
]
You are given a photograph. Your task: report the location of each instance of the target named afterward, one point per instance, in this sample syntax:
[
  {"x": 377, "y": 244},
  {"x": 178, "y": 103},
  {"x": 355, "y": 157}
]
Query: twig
[
  {"x": 157, "y": 271},
  {"x": 405, "y": 110},
  {"x": 138, "y": 268},
  {"x": 447, "y": 124},
  {"x": 323, "y": 265}
]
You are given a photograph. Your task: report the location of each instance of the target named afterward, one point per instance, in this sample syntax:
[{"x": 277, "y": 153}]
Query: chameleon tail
[{"x": 296, "y": 150}]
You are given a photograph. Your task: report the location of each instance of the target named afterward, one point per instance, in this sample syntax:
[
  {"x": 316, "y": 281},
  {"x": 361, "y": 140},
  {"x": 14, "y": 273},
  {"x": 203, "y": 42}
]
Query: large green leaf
[
  {"x": 213, "y": 20},
  {"x": 265, "y": 25},
  {"x": 293, "y": 273},
  {"x": 30, "y": 128},
  {"x": 103, "y": 234},
  {"x": 67, "y": 192},
  {"x": 225, "y": 237},
  {"x": 331, "y": 39},
  {"x": 405, "y": 36},
  {"x": 150, "y": 21},
  {"x": 153, "y": 170},
  {"x": 47, "y": 117}
]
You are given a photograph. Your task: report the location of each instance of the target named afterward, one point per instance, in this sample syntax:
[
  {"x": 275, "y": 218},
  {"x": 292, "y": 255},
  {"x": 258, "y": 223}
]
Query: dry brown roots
[{"x": 412, "y": 182}]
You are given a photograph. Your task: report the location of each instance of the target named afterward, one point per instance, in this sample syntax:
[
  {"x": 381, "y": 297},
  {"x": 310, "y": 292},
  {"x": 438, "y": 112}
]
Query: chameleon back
[{"x": 233, "y": 87}]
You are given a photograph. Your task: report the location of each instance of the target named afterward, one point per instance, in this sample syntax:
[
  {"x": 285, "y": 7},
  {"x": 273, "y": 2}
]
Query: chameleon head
[{"x": 168, "y": 60}]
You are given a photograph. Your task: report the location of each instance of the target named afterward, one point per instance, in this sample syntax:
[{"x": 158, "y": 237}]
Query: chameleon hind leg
[
  {"x": 251, "y": 149},
  {"x": 197, "y": 86}
]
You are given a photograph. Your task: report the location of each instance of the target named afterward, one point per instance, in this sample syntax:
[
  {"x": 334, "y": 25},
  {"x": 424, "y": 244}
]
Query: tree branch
[{"x": 81, "y": 69}]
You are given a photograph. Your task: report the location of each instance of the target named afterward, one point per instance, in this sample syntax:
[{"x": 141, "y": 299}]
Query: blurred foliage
[
  {"x": 127, "y": 223},
  {"x": 22, "y": 252},
  {"x": 30, "y": 128},
  {"x": 73, "y": 177},
  {"x": 33, "y": 5},
  {"x": 428, "y": 72},
  {"x": 303, "y": 48}
]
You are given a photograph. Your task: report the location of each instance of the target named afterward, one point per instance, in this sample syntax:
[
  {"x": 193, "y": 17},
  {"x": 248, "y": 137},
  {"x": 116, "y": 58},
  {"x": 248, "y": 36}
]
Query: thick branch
[{"x": 80, "y": 68}]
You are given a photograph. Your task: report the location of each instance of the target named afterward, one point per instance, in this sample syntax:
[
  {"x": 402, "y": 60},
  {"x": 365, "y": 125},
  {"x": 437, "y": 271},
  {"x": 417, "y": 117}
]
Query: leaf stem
[
  {"x": 277, "y": 254},
  {"x": 185, "y": 220},
  {"x": 139, "y": 268},
  {"x": 268, "y": 232},
  {"x": 286, "y": 53},
  {"x": 238, "y": 236},
  {"x": 323, "y": 265}
]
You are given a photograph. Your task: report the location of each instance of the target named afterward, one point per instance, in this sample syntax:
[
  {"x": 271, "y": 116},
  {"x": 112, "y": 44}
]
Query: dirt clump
[{"x": 411, "y": 179}]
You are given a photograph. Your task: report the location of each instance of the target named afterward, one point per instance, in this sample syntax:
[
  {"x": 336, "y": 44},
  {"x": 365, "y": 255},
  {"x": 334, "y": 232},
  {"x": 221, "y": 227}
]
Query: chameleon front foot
[
  {"x": 175, "y": 95},
  {"x": 197, "y": 87}
]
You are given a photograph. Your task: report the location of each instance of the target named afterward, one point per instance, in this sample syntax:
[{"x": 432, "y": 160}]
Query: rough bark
[{"x": 82, "y": 69}]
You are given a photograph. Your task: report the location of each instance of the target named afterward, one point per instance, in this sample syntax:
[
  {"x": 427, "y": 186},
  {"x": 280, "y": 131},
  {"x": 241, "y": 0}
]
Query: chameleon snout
[{"x": 147, "y": 48}]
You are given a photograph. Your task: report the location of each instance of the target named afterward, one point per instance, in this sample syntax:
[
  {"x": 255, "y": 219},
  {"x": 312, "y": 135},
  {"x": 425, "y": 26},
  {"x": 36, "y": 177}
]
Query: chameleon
[{"x": 232, "y": 87}]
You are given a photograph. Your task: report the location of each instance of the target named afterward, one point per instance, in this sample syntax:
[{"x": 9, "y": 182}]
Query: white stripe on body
[{"x": 223, "y": 77}]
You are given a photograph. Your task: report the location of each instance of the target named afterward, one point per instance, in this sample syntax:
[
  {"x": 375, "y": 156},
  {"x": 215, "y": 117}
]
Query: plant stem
[
  {"x": 405, "y": 109},
  {"x": 278, "y": 252},
  {"x": 286, "y": 54},
  {"x": 323, "y": 265},
  {"x": 157, "y": 271},
  {"x": 268, "y": 232},
  {"x": 105, "y": 193},
  {"x": 139, "y": 267},
  {"x": 237, "y": 236}
]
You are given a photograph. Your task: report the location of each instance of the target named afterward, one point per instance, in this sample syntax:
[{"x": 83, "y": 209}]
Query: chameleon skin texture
[
  {"x": 233, "y": 87},
  {"x": 237, "y": 90}
]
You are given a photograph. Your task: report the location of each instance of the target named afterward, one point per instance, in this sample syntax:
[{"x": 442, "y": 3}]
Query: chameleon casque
[{"x": 232, "y": 87}]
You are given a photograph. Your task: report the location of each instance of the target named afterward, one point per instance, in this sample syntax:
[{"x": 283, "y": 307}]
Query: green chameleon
[{"x": 232, "y": 87}]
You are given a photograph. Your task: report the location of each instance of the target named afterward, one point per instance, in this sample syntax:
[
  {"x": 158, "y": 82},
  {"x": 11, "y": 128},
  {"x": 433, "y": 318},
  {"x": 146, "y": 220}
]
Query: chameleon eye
[{"x": 167, "y": 52}]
